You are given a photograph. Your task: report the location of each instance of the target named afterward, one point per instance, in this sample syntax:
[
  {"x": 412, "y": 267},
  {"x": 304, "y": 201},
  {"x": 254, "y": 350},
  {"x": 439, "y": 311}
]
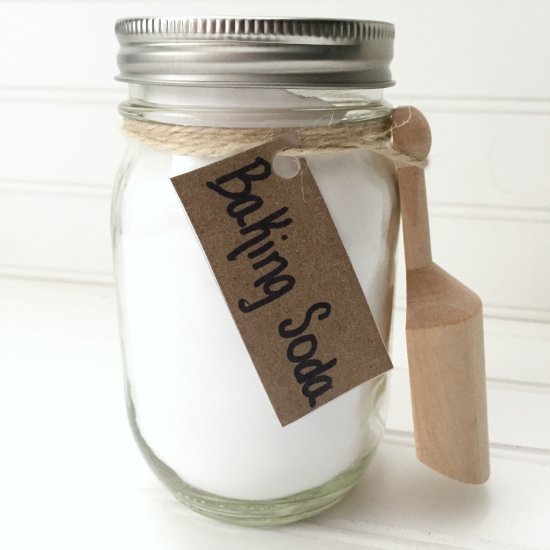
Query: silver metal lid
[{"x": 266, "y": 52}]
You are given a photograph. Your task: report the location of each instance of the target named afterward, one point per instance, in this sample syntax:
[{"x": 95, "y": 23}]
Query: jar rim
[{"x": 239, "y": 107}]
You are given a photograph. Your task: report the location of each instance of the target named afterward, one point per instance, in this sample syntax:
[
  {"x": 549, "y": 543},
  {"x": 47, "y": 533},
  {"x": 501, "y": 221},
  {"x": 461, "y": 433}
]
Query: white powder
[{"x": 199, "y": 403}]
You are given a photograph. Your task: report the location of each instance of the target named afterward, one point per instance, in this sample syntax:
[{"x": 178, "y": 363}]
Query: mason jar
[{"x": 196, "y": 406}]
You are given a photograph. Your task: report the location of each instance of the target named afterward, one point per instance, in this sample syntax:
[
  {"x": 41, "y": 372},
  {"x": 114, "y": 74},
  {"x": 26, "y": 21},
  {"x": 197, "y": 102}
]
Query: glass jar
[{"x": 199, "y": 413}]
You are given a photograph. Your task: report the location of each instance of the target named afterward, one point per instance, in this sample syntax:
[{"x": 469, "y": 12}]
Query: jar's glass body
[{"x": 198, "y": 411}]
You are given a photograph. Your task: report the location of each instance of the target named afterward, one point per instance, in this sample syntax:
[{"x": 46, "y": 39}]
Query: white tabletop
[{"x": 72, "y": 477}]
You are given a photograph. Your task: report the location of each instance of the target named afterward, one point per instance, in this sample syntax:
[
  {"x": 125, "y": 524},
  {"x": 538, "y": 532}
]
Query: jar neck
[{"x": 252, "y": 107}]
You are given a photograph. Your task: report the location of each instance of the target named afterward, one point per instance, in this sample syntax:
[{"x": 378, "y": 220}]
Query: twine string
[{"x": 373, "y": 135}]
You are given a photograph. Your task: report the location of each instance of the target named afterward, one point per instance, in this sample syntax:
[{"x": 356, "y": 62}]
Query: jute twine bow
[{"x": 374, "y": 135}]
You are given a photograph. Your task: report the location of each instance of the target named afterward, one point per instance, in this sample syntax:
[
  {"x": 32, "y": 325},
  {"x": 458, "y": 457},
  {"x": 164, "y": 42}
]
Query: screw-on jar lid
[{"x": 266, "y": 52}]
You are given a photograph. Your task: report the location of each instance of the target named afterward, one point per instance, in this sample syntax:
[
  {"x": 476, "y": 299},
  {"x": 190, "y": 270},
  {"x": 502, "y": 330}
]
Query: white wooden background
[{"x": 479, "y": 69}]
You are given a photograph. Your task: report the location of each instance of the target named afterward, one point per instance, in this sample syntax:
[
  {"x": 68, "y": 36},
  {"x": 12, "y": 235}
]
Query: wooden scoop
[{"x": 444, "y": 332}]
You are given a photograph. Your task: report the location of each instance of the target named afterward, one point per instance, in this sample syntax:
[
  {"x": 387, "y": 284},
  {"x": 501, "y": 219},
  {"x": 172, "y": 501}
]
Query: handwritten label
[{"x": 286, "y": 277}]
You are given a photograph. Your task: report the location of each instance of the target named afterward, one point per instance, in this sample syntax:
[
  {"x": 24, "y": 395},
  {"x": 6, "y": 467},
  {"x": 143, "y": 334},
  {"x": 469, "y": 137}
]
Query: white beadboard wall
[{"x": 478, "y": 69}]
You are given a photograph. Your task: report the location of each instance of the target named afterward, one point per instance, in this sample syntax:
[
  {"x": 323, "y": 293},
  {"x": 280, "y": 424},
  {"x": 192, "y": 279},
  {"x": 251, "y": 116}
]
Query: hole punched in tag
[{"x": 286, "y": 166}]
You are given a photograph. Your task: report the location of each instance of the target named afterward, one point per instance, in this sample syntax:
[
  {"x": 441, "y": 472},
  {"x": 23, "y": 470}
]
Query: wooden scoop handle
[
  {"x": 412, "y": 135},
  {"x": 444, "y": 332}
]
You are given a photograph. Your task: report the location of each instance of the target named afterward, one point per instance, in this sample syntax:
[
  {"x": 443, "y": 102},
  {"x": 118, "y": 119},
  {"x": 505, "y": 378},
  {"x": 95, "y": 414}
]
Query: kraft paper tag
[{"x": 286, "y": 277}]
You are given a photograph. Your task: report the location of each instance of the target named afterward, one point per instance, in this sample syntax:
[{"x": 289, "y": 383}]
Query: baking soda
[{"x": 199, "y": 402}]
